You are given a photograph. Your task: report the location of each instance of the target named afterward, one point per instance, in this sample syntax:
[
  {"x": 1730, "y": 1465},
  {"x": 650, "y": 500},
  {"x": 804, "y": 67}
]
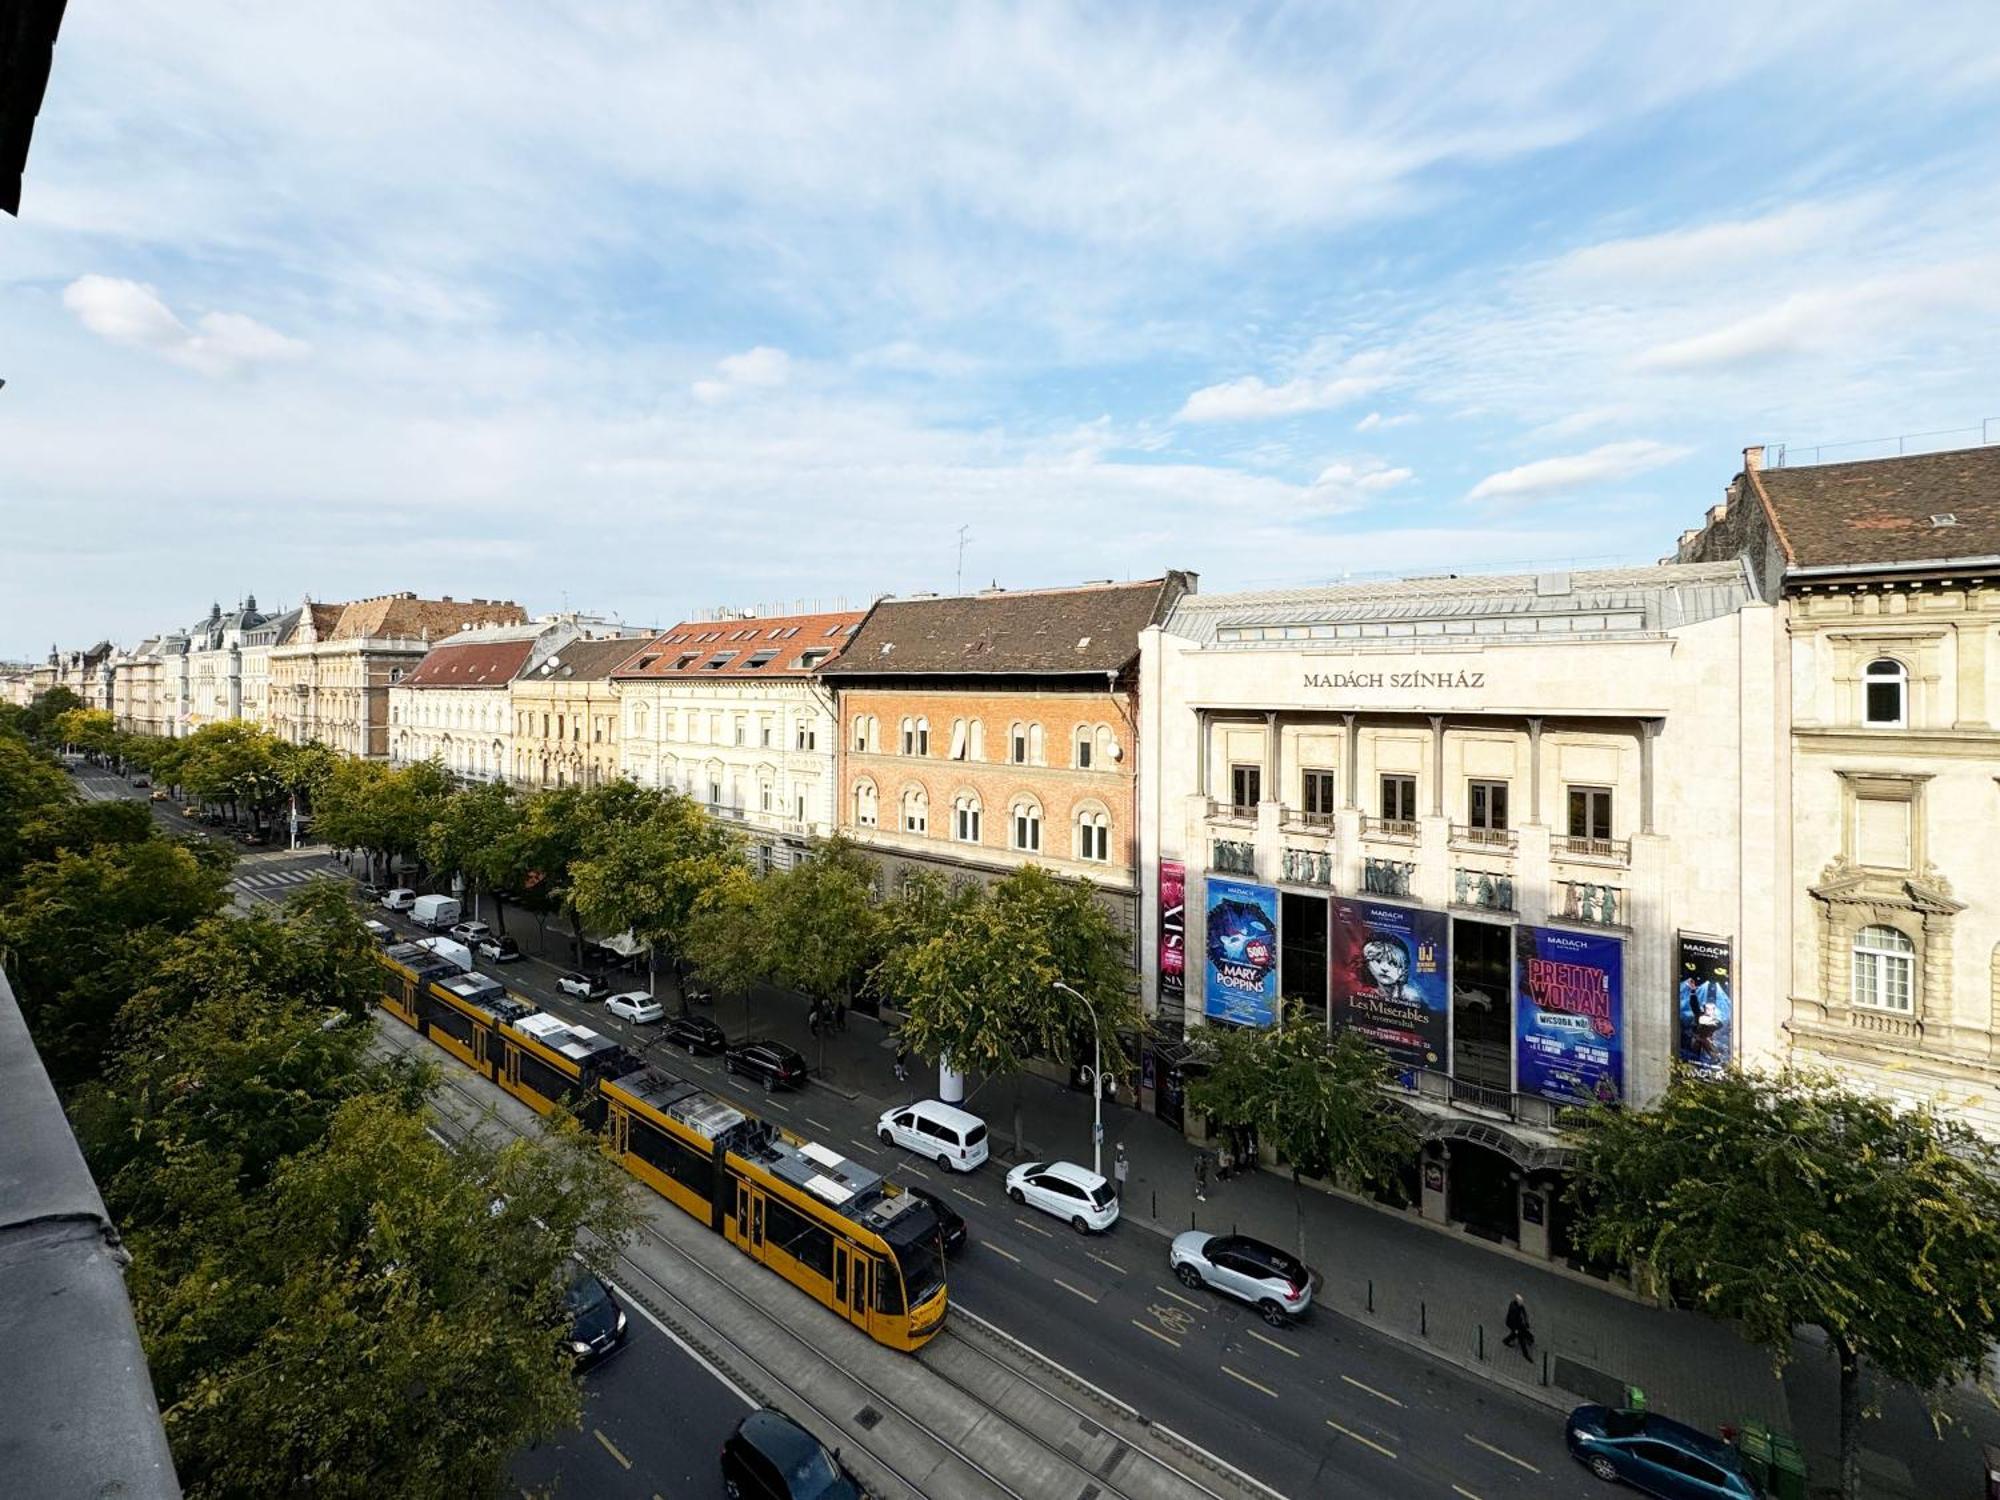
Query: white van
[
  {"x": 942, "y": 1133},
  {"x": 435, "y": 912}
]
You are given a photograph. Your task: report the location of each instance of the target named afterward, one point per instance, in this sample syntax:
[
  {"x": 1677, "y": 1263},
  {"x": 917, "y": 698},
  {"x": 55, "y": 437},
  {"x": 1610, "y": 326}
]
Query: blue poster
[
  {"x": 1389, "y": 979},
  {"x": 1569, "y": 1007},
  {"x": 1705, "y": 1010},
  {"x": 1242, "y": 925}
]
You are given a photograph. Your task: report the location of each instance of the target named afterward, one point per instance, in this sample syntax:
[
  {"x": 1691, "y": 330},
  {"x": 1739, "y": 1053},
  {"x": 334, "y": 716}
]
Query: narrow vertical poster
[
  {"x": 1705, "y": 1007},
  {"x": 1173, "y": 935},
  {"x": 1569, "y": 1015},
  {"x": 1389, "y": 978},
  {"x": 1242, "y": 976}
]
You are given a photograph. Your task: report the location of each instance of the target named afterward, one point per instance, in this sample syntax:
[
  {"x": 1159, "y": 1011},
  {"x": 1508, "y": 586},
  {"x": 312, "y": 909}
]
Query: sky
[{"x": 646, "y": 309}]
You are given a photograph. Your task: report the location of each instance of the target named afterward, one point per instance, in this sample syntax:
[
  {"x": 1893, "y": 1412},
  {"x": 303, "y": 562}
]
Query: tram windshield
[{"x": 923, "y": 1268}]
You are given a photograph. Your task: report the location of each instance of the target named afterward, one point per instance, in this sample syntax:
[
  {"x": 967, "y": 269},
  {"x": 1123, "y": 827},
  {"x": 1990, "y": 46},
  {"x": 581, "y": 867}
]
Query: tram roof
[{"x": 577, "y": 1043}]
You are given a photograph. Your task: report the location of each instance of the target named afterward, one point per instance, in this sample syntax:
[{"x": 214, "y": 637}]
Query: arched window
[
  {"x": 867, "y": 808},
  {"x": 976, "y": 740},
  {"x": 1026, "y": 817},
  {"x": 1083, "y": 748},
  {"x": 861, "y": 732},
  {"x": 638, "y": 718},
  {"x": 916, "y": 811},
  {"x": 958, "y": 739},
  {"x": 1103, "y": 758},
  {"x": 1886, "y": 688},
  {"x": 1035, "y": 746},
  {"x": 1884, "y": 969},
  {"x": 1017, "y": 743},
  {"x": 1093, "y": 835},
  {"x": 909, "y": 735},
  {"x": 965, "y": 817},
  {"x": 923, "y": 736}
]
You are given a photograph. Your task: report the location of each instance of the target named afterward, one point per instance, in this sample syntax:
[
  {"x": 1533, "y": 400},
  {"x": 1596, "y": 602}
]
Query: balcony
[
  {"x": 1308, "y": 867},
  {"x": 1597, "y": 851},
  {"x": 1469, "y": 836},
  {"x": 1526, "y": 1109},
  {"x": 1485, "y": 890},
  {"x": 1231, "y": 812},
  {"x": 1310, "y": 822},
  {"x": 1232, "y": 857},
  {"x": 1589, "y": 903},
  {"x": 1402, "y": 829},
  {"x": 1387, "y": 877}
]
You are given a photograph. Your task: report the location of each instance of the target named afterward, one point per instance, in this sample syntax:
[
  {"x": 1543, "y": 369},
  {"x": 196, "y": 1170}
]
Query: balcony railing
[
  {"x": 1589, "y": 902},
  {"x": 1387, "y": 877},
  {"x": 1388, "y": 828},
  {"x": 1608, "y": 851},
  {"x": 1317, "y": 822},
  {"x": 1233, "y": 812},
  {"x": 1232, "y": 857},
  {"x": 1528, "y": 1109},
  {"x": 1471, "y": 836},
  {"x": 1308, "y": 867},
  {"x": 1485, "y": 889}
]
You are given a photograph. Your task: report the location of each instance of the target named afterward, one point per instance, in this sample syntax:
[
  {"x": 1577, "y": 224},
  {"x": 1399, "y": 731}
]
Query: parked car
[
  {"x": 381, "y": 932},
  {"x": 636, "y": 1006},
  {"x": 193, "y": 810},
  {"x": 250, "y": 838},
  {"x": 142, "y": 782},
  {"x": 158, "y": 794},
  {"x": 469, "y": 933},
  {"x": 1273, "y": 1281},
  {"x": 596, "y": 1321},
  {"x": 771, "y": 1063},
  {"x": 1072, "y": 1193},
  {"x": 439, "y": 913},
  {"x": 943, "y": 1133},
  {"x": 502, "y": 950},
  {"x": 1655, "y": 1455},
  {"x": 583, "y": 986},
  {"x": 697, "y": 1034},
  {"x": 951, "y": 1224},
  {"x": 400, "y": 898},
  {"x": 771, "y": 1457}
]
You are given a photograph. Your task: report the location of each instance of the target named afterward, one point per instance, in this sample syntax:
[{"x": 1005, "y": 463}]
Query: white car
[
  {"x": 1066, "y": 1190},
  {"x": 943, "y": 1133},
  {"x": 1275, "y": 1282},
  {"x": 583, "y": 986},
  {"x": 402, "y": 898},
  {"x": 636, "y": 1005}
]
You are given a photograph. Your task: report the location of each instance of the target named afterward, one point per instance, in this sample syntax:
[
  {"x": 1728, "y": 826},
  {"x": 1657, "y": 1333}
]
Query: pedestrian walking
[
  {"x": 1120, "y": 1168},
  {"x": 1201, "y": 1177},
  {"x": 902, "y": 1065},
  {"x": 812, "y": 1018},
  {"x": 1519, "y": 1334},
  {"x": 840, "y": 1015}
]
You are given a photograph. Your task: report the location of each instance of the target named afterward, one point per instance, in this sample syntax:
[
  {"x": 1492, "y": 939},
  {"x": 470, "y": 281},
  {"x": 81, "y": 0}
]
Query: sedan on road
[
  {"x": 1074, "y": 1194},
  {"x": 596, "y": 1322},
  {"x": 636, "y": 1006},
  {"x": 502, "y": 950},
  {"x": 583, "y": 986},
  {"x": 1655, "y": 1455},
  {"x": 1274, "y": 1282},
  {"x": 697, "y": 1034},
  {"x": 951, "y": 1224},
  {"x": 771, "y": 1063},
  {"x": 402, "y": 898},
  {"x": 771, "y": 1457}
]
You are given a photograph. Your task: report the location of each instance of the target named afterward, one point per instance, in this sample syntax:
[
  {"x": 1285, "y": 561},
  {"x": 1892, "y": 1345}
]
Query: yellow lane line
[
  {"x": 1035, "y": 1227},
  {"x": 1103, "y": 1262},
  {"x": 970, "y": 1197},
  {"x": 1148, "y": 1328},
  {"x": 1501, "y": 1453},
  {"x": 1078, "y": 1291},
  {"x": 612, "y": 1448},
  {"x": 997, "y": 1250},
  {"x": 1359, "y": 1386},
  {"x": 1260, "y": 1338},
  {"x": 1350, "y": 1432},
  {"x": 1257, "y": 1385},
  {"x": 1178, "y": 1297}
]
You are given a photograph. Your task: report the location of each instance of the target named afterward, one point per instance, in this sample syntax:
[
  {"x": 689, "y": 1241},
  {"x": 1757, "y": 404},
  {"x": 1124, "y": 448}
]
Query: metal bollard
[
  {"x": 1156, "y": 1203},
  {"x": 1423, "y": 1319},
  {"x": 1371, "y": 1294},
  {"x": 1482, "y": 1341},
  {"x": 1545, "y": 1367}
]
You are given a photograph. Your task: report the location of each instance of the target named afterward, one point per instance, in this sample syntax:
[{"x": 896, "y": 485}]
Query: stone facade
[{"x": 566, "y": 715}]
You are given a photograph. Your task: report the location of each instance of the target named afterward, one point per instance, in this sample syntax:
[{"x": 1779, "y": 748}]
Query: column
[
  {"x": 1534, "y": 770},
  {"x": 1353, "y": 766},
  {"x": 1649, "y": 730},
  {"x": 1201, "y": 752},
  {"x": 1274, "y": 759},
  {"x": 1437, "y": 765}
]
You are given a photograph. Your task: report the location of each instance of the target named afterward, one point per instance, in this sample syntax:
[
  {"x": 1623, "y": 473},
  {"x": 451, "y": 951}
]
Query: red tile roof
[
  {"x": 777, "y": 647},
  {"x": 472, "y": 664},
  {"x": 1886, "y": 510}
]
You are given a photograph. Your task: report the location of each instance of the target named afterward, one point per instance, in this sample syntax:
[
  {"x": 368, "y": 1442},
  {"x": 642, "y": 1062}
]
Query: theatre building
[{"x": 1518, "y": 830}]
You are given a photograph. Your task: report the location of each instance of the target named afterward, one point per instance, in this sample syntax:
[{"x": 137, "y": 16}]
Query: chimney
[{"x": 1753, "y": 459}]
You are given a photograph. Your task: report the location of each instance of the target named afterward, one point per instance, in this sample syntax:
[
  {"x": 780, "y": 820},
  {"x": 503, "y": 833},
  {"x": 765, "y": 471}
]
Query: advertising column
[
  {"x": 1388, "y": 978},
  {"x": 1569, "y": 1015},
  {"x": 1242, "y": 986}
]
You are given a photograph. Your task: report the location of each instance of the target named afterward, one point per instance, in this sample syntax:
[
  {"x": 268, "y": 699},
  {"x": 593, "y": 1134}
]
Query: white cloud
[
  {"x": 132, "y": 314},
  {"x": 1553, "y": 476},
  {"x": 1703, "y": 251},
  {"x": 1349, "y": 484},
  {"x": 1250, "y": 399},
  {"x": 1375, "y": 421},
  {"x": 760, "y": 369}
]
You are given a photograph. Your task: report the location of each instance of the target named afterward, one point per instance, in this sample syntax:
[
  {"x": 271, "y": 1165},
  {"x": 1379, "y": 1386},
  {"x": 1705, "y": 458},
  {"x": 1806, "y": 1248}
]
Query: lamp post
[{"x": 1096, "y": 1081}]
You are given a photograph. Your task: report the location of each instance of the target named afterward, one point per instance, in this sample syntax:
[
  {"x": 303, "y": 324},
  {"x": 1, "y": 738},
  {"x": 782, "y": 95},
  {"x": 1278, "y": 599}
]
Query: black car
[
  {"x": 771, "y": 1063},
  {"x": 951, "y": 1226},
  {"x": 596, "y": 1321},
  {"x": 501, "y": 949},
  {"x": 771, "y": 1457},
  {"x": 695, "y": 1033}
]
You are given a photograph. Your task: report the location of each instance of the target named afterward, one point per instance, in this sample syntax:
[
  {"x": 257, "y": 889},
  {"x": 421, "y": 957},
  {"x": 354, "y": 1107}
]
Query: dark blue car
[{"x": 1656, "y": 1455}]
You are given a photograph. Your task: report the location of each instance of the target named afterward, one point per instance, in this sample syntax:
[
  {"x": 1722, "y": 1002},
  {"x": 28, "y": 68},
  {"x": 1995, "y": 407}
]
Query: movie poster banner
[
  {"x": 1173, "y": 934},
  {"x": 1388, "y": 978},
  {"x": 1706, "y": 1010},
  {"x": 1569, "y": 1015},
  {"x": 1242, "y": 953}
]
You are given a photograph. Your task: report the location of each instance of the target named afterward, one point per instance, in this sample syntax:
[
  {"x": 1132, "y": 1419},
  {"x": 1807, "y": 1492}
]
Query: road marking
[
  {"x": 612, "y": 1448},
  {"x": 915, "y": 1171},
  {"x": 1034, "y": 1228},
  {"x": 1501, "y": 1453},
  {"x": 1077, "y": 1291},
  {"x": 1103, "y": 1262},
  {"x": 1370, "y": 1442},
  {"x": 774, "y": 1104},
  {"x": 1382, "y": 1395},
  {"x": 820, "y": 1123},
  {"x": 693, "y": 1353},
  {"x": 1178, "y": 1297},
  {"x": 1253, "y": 1384},
  {"x": 971, "y": 1198},
  {"x": 1459, "y": 1489},
  {"x": 1262, "y": 1339},
  {"x": 1148, "y": 1328},
  {"x": 858, "y": 1145},
  {"x": 998, "y": 1251}
]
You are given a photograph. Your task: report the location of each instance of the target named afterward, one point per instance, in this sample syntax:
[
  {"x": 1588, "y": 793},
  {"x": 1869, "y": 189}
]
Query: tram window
[
  {"x": 542, "y": 1078},
  {"x": 809, "y": 1244},
  {"x": 888, "y": 1287},
  {"x": 453, "y": 1023},
  {"x": 661, "y": 1151}
]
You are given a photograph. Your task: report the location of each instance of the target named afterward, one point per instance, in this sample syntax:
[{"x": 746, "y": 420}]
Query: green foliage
[
  {"x": 303, "y": 770},
  {"x": 40, "y": 720},
  {"x": 88, "y": 729},
  {"x": 652, "y": 862},
  {"x": 33, "y": 789},
  {"x": 472, "y": 833},
  {"x": 1789, "y": 1201},
  {"x": 348, "y": 814},
  {"x": 731, "y": 941},
  {"x": 824, "y": 926}
]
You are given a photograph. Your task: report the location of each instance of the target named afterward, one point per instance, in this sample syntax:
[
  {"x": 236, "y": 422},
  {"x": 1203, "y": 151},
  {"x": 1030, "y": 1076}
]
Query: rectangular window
[
  {"x": 799, "y": 806},
  {"x": 559, "y": 726},
  {"x": 545, "y": 726},
  {"x": 1399, "y": 799},
  {"x": 1246, "y": 786},
  {"x": 1320, "y": 791},
  {"x": 715, "y": 794},
  {"x": 807, "y": 737},
  {"x": 764, "y": 796},
  {"x": 764, "y": 733},
  {"x": 968, "y": 824},
  {"x": 1486, "y": 807},
  {"x": 1083, "y": 751},
  {"x": 1019, "y": 749},
  {"x": 742, "y": 728},
  {"x": 1590, "y": 812}
]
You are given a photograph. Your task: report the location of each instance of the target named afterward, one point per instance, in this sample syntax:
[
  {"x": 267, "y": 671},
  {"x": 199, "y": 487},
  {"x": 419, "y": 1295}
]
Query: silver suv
[{"x": 1275, "y": 1282}]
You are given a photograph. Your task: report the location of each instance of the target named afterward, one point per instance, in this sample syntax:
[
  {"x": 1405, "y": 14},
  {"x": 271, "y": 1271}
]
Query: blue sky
[{"x": 645, "y": 309}]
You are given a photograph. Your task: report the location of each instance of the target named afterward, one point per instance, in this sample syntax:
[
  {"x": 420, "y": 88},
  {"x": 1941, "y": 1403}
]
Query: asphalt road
[{"x": 1322, "y": 1408}]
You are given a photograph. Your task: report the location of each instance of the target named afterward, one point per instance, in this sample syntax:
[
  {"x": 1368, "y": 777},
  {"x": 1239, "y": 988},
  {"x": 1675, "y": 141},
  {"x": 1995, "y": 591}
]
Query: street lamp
[{"x": 1096, "y": 1081}]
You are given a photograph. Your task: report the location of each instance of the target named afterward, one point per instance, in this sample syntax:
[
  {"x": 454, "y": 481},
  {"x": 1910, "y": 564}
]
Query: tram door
[
  {"x": 851, "y": 1270},
  {"x": 750, "y": 1218}
]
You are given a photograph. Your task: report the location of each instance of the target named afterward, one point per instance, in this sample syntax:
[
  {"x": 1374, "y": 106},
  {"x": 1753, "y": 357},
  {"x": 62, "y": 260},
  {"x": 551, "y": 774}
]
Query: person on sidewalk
[
  {"x": 1519, "y": 1334},
  {"x": 902, "y": 1064},
  {"x": 1201, "y": 1177},
  {"x": 1120, "y": 1169}
]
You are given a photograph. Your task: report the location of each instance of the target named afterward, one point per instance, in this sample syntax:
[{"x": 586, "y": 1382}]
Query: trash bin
[
  {"x": 1788, "y": 1470},
  {"x": 1753, "y": 1446}
]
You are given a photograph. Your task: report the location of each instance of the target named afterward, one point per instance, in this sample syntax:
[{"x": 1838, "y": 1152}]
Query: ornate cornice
[{"x": 1844, "y": 883}]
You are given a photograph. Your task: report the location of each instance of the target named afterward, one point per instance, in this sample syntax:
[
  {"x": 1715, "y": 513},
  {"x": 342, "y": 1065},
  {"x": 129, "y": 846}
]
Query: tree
[
  {"x": 88, "y": 729},
  {"x": 350, "y": 813},
  {"x": 470, "y": 835},
  {"x": 1787, "y": 1201},
  {"x": 651, "y": 867},
  {"x": 303, "y": 770},
  {"x": 824, "y": 926},
  {"x": 1319, "y": 1098},
  {"x": 46, "y": 713},
  {"x": 32, "y": 787},
  {"x": 730, "y": 940},
  {"x": 234, "y": 764}
]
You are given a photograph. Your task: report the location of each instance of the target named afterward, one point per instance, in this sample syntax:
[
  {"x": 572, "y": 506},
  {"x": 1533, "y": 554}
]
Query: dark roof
[
  {"x": 25, "y": 57},
  {"x": 474, "y": 664},
  {"x": 586, "y": 661},
  {"x": 1880, "y": 511},
  {"x": 1093, "y": 629},
  {"x": 775, "y": 646}
]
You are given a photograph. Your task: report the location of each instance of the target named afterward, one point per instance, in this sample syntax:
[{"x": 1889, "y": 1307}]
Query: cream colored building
[
  {"x": 1483, "y": 820},
  {"x": 258, "y": 641},
  {"x": 137, "y": 678},
  {"x": 732, "y": 712},
  {"x": 566, "y": 715},
  {"x": 1890, "y": 575},
  {"x": 331, "y": 682},
  {"x": 215, "y": 664}
]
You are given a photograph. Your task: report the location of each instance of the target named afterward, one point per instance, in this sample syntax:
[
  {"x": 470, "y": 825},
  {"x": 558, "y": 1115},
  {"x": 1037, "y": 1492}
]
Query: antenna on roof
[{"x": 964, "y": 535}]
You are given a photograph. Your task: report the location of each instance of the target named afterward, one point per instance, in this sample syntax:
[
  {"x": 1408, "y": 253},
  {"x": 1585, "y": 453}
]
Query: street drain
[{"x": 867, "y": 1417}]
